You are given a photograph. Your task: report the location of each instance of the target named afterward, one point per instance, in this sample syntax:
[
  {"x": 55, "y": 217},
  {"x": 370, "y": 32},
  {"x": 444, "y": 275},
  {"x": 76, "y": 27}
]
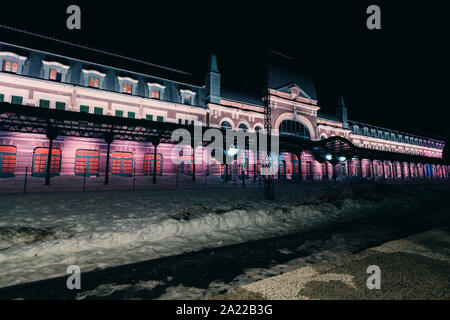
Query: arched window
[
  {"x": 243, "y": 127},
  {"x": 295, "y": 128},
  {"x": 225, "y": 125},
  {"x": 87, "y": 162},
  {"x": 258, "y": 129},
  {"x": 40, "y": 157},
  {"x": 8, "y": 156}
]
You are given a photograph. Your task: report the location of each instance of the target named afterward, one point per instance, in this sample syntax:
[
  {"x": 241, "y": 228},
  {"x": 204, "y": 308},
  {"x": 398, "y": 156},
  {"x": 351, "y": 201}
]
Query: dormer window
[
  {"x": 156, "y": 90},
  {"x": 10, "y": 66},
  {"x": 11, "y": 62},
  {"x": 187, "y": 97},
  {"x": 93, "y": 78},
  {"x": 55, "y": 71},
  {"x": 127, "y": 85}
]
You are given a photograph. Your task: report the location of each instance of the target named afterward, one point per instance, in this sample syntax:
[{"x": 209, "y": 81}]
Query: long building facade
[{"x": 40, "y": 79}]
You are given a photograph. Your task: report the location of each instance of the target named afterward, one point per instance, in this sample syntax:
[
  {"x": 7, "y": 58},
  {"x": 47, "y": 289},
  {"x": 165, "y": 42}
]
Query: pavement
[{"x": 416, "y": 267}]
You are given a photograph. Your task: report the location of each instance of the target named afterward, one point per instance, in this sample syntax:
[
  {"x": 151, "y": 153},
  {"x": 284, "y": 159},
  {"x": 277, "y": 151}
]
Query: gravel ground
[{"x": 416, "y": 267}]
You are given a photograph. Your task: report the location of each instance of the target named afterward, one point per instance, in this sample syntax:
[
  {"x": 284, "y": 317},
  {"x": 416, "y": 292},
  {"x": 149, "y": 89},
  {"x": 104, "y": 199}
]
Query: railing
[{"x": 25, "y": 179}]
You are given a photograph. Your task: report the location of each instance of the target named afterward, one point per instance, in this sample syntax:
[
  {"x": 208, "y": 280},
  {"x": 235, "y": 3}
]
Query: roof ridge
[{"x": 95, "y": 50}]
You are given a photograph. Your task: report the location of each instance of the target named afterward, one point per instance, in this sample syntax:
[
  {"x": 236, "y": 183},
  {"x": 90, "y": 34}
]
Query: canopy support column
[
  {"x": 155, "y": 143},
  {"x": 51, "y": 135},
  {"x": 109, "y": 137}
]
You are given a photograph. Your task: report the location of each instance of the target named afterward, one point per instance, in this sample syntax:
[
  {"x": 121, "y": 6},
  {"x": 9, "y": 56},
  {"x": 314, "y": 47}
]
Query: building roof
[
  {"x": 172, "y": 92},
  {"x": 284, "y": 71},
  {"x": 242, "y": 96}
]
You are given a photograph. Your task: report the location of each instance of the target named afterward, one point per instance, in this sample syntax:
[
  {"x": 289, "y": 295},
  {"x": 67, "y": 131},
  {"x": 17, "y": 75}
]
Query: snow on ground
[{"x": 40, "y": 235}]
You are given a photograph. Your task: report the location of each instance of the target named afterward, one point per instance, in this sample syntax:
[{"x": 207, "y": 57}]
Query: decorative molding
[
  {"x": 13, "y": 55},
  {"x": 94, "y": 72},
  {"x": 127, "y": 79},
  {"x": 156, "y": 85},
  {"x": 188, "y": 92},
  {"x": 54, "y": 63}
]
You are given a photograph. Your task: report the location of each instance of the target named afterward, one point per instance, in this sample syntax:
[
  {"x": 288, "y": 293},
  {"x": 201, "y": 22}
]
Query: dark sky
[{"x": 397, "y": 76}]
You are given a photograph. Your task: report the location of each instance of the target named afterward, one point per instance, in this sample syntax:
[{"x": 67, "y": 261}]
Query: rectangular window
[
  {"x": 149, "y": 117},
  {"x": 60, "y": 106},
  {"x": 155, "y": 94},
  {"x": 10, "y": 66},
  {"x": 122, "y": 164},
  {"x": 243, "y": 166},
  {"x": 2, "y": 96},
  {"x": 186, "y": 122},
  {"x": 148, "y": 164},
  {"x": 222, "y": 170},
  {"x": 44, "y": 103},
  {"x": 368, "y": 171},
  {"x": 159, "y": 119},
  {"x": 84, "y": 109},
  {"x": 98, "y": 110},
  {"x": 40, "y": 157},
  {"x": 324, "y": 171},
  {"x": 127, "y": 88},
  {"x": 16, "y": 100},
  {"x": 7, "y": 161},
  {"x": 119, "y": 113},
  {"x": 343, "y": 169},
  {"x": 295, "y": 168},
  {"x": 281, "y": 170},
  {"x": 179, "y": 121},
  {"x": 308, "y": 170},
  {"x": 87, "y": 162},
  {"x": 131, "y": 115},
  {"x": 54, "y": 75},
  {"x": 93, "y": 82},
  {"x": 185, "y": 165},
  {"x": 7, "y": 66}
]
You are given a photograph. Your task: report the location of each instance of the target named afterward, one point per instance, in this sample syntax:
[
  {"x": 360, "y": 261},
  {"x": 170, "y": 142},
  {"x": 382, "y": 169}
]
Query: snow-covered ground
[{"x": 40, "y": 235}]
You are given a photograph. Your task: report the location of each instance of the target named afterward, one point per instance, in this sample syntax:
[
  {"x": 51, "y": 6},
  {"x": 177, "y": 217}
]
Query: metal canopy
[{"x": 29, "y": 119}]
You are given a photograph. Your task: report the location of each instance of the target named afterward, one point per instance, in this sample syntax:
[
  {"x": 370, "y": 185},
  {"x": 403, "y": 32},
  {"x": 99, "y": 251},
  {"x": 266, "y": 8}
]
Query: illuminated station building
[{"x": 32, "y": 79}]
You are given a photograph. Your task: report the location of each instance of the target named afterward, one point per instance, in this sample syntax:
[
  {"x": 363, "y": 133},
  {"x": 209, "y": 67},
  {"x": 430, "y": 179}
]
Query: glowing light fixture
[
  {"x": 328, "y": 157},
  {"x": 232, "y": 151},
  {"x": 342, "y": 158}
]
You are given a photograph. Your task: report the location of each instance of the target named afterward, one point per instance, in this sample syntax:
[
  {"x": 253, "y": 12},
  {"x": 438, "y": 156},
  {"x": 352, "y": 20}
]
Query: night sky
[{"x": 397, "y": 76}]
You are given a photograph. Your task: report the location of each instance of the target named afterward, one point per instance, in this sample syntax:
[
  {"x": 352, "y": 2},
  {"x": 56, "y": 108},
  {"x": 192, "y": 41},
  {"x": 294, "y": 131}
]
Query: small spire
[
  {"x": 213, "y": 63},
  {"x": 341, "y": 101}
]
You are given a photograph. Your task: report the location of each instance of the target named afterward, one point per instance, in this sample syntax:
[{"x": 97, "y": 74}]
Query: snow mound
[
  {"x": 141, "y": 227},
  {"x": 13, "y": 235}
]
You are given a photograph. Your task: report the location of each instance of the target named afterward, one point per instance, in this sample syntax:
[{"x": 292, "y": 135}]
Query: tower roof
[{"x": 283, "y": 71}]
